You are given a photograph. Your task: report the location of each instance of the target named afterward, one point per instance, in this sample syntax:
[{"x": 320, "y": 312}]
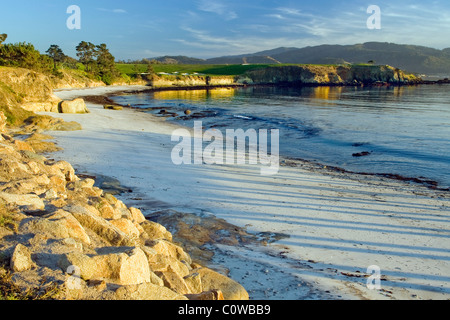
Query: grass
[
  {"x": 210, "y": 70},
  {"x": 15, "y": 115}
]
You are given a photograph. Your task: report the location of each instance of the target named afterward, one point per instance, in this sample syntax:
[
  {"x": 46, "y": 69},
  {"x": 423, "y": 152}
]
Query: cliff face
[
  {"x": 326, "y": 75},
  {"x": 33, "y": 91},
  {"x": 191, "y": 81}
]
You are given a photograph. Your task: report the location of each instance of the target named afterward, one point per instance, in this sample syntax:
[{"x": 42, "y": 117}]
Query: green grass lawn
[{"x": 211, "y": 70}]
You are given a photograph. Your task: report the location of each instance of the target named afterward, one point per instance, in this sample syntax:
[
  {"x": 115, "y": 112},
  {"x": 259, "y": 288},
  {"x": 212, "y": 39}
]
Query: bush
[{"x": 24, "y": 55}]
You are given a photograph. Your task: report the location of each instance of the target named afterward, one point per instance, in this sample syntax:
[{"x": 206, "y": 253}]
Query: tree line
[{"x": 95, "y": 60}]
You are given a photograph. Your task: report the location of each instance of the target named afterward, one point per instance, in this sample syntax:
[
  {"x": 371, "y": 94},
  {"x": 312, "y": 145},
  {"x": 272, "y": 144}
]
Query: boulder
[
  {"x": 28, "y": 202},
  {"x": 120, "y": 265},
  {"x": 156, "y": 231},
  {"x": 90, "y": 218},
  {"x": 21, "y": 259},
  {"x": 74, "y": 228},
  {"x": 174, "y": 281},
  {"x": 212, "y": 280},
  {"x": 127, "y": 227},
  {"x": 159, "y": 262},
  {"x": 136, "y": 215},
  {"x": 107, "y": 211},
  {"x": 213, "y": 295},
  {"x": 146, "y": 291},
  {"x": 67, "y": 170},
  {"x": 58, "y": 225},
  {"x": 74, "y": 106},
  {"x": 194, "y": 283},
  {"x": 169, "y": 249}
]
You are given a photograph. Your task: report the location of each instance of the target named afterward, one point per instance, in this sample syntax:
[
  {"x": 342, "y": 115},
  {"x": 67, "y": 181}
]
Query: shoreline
[
  {"x": 427, "y": 182},
  {"x": 345, "y": 280}
]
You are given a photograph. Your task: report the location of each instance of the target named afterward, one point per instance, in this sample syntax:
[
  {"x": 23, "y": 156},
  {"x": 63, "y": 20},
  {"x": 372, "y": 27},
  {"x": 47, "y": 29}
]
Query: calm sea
[{"x": 404, "y": 130}]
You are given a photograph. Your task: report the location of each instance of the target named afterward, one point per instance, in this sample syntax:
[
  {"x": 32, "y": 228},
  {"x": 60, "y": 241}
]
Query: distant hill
[
  {"x": 417, "y": 59},
  {"x": 411, "y": 58},
  {"x": 179, "y": 60}
]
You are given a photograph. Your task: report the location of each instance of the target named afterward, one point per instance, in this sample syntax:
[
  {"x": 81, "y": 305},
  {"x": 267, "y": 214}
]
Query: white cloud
[
  {"x": 219, "y": 8},
  {"x": 113, "y": 10}
]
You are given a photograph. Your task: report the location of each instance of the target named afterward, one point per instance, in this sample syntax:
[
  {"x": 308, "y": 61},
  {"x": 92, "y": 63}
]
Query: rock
[
  {"x": 99, "y": 285},
  {"x": 127, "y": 227},
  {"x": 187, "y": 112},
  {"x": 23, "y": 146},
  {"x": 89, "y": 218},
  {"x": 155, "y": 279},
  {"x": 112, "y": 107},
  {"x": 58, "y": 184},
  {"x": 212, "y": 280},
  {"x": 123, "y": 265},
  {"x": 214, "y": 295},
  {"x": 74, "y": 106},
  {"x": 87, "y": 183},
  {"x": 21, "y": 259},
  {"x": 194, "y": 283},
  {"x": 362, "y": 154},
  {"x": 74, "y": 228},
  {"x": 159, "y": 262},
  {"x": 2, "y": 122},
  {"x": 10, "y": 166},
  {"x": 40, "y": 122},
  {"x": 173, "y": 281},
  {"x": 28, "y": 202},
  {"x": 146, "y": 291},
  {"x": 136, "y": 215},
  {"x": 86, "y": 265},
  {"x": 107, "y": 211},
  {"x": 169, "y": 249},
  {"x": 58, "y": 225},
  {"x": 156, "y": 231},
  {"x": 67, "y": 170}
]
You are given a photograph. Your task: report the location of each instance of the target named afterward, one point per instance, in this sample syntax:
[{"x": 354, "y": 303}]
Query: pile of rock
[{"x": 63, "y": 230}]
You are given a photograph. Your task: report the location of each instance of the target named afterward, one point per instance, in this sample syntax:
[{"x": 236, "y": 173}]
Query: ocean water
[{"x": 404, "y": 130}]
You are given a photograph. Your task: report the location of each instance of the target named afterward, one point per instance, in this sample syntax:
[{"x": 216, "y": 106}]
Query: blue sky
[{"x": 135, "y": 29}]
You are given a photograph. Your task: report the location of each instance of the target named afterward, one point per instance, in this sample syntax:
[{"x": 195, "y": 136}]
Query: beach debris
[
  {"x": 112, "y": 107},
  {"x": 362, "y": 154}
]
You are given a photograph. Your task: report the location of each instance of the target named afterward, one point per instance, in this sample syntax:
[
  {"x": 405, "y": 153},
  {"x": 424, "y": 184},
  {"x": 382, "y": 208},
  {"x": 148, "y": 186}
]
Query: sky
[{"x": 136, "y": 29}]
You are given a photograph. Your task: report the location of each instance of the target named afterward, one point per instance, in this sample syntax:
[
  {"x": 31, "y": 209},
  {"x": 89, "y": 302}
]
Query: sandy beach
[{"x": 331, "y": 226}]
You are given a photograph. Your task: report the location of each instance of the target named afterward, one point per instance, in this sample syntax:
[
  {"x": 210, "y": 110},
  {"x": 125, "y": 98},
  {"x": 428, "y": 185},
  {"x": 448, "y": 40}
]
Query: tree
[
  {"x": 106, "y": 64},
  {"x": 3, "y": 37},
  {"x": 24, "y": 55},
  {"x": 98, "y": 61},
  {"x": 86, "y": 53},
  {"x": 56, "y": 53}
]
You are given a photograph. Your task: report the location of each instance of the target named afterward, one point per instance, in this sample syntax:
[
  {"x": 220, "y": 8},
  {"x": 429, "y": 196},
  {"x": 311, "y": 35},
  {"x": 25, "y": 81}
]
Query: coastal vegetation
[{"x": 94, "y": 61}]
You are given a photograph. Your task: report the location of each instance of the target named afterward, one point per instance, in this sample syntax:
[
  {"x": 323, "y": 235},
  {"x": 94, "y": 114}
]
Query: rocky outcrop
[
  {"x": 33, "y": 91},
  {"x": 327, "y": 75},
  {"x": 58, "y": 230},
  {"x": 171, "y": 81}
]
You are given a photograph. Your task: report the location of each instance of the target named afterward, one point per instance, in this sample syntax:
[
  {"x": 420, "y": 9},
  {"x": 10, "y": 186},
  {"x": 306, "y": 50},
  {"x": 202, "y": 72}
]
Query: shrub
[{"x": 24, "y": 55}]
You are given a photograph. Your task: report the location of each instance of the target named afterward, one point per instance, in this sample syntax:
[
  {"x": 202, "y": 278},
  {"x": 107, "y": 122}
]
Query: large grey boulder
[{"x": 74, "y": 106}]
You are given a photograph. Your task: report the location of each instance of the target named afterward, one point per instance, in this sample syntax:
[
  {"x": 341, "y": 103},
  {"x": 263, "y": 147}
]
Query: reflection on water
[
  {"x": 195, "y": 95},
  {"x": 406, "y": 130}
]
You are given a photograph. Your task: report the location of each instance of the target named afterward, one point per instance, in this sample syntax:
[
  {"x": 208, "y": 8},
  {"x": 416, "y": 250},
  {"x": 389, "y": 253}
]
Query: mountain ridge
[{"x": 411, "y": 58}]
